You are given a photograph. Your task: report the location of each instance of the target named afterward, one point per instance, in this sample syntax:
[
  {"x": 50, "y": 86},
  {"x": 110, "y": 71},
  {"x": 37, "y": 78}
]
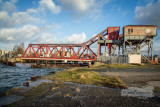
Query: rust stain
[{"x": 138, "y": 32}]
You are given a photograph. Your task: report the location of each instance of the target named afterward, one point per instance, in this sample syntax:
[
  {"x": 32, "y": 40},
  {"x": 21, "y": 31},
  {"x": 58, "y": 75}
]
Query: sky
[{"x": 71, "y": 21}]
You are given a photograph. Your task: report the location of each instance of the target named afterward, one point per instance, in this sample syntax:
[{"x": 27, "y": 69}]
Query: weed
[{"x": 89, "y": 77}]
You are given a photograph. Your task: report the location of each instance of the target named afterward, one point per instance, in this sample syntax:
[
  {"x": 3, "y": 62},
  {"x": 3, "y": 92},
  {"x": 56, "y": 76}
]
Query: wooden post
[{"x": 46, "y": 62}]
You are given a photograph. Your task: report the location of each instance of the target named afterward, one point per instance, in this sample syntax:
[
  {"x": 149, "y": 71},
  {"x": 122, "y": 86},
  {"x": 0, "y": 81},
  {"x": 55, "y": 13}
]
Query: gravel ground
[
  {"x": 151, "y": 69},
  {"x": 136, "y": 78},
  {"x": 143, "y": 83},
  {"x": 90, "y": 95}
]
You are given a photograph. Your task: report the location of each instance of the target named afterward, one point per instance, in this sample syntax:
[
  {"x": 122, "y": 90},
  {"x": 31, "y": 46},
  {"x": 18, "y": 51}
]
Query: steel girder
[
  {"x": 59, "y": 52},
  {"x": 69, "y": 52}
]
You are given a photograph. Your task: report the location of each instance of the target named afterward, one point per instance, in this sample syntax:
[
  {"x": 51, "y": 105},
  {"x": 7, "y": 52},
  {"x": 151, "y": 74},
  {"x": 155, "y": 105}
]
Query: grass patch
[{"x": 89, "y": 77}]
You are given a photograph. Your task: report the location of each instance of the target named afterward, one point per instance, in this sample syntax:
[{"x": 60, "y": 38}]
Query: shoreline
[
  {"x": 52, "y": 87},
  {"x": 20, "y": 68}
]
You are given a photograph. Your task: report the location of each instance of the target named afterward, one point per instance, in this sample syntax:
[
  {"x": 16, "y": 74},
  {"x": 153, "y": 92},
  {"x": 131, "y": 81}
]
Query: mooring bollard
[
  {"x": 89, "y": 64},
  {"x": 26, "y": 84},
  {"x": 34, "y": 78}
]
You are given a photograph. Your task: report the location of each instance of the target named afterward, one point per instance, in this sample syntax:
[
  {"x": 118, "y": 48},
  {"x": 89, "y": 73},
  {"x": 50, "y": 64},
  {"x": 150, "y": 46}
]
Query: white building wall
[{"x": 135, "y": 58}]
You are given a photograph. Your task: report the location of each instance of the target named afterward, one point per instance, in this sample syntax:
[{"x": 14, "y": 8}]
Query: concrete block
[{"x": 134, "y": 58}]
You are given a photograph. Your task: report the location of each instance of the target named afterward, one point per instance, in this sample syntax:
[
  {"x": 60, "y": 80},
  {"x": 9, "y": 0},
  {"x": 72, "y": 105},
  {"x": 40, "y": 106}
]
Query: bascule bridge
[{"x": 136, "y": 39}]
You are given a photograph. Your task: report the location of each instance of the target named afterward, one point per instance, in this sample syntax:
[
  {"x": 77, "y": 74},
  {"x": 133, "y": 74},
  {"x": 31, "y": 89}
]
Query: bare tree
[{"x": 19, "y": 49}]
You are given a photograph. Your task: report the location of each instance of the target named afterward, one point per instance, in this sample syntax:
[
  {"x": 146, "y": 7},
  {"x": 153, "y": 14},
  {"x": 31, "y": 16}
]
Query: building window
[{"x": 131, "y": 30}]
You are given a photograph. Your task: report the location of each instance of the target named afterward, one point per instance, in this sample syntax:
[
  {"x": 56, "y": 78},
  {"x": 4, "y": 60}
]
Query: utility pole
[{"x": 10, "y": 46}]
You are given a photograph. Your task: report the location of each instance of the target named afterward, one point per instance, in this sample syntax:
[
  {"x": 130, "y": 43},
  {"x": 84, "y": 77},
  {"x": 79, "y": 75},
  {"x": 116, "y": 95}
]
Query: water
[{"x": 14, "y": 76}]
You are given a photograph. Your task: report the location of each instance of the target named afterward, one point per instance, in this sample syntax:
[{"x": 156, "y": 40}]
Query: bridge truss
[
  {"x": 64, "y": 52},
  {"x": 109, "y": 38}
]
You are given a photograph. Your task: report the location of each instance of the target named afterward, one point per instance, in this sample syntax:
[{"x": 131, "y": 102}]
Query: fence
[{"x": 113, "y": 59}]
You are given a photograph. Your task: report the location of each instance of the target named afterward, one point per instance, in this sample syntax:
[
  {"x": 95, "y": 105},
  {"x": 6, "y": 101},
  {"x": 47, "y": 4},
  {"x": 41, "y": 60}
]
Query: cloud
[
  {"x": 28, "y": 33},
  {"x": 52, "y": 26},
  {"x": 48, "y": 38},
  {"x": 8, "y": 6},
  {"x": 31, "y": 10},
  {"x": 4, "y": 19},
  {"x": 49, "y": 5},
  {"x": 157, "y": 49},
  {"x": 10, "y": 18},
  {"x": 13, "y": 24},
  {"x": 81, "y": 8},
  {"x": 25, "y": 33},
  {"x": 16, "y": 19},
  {"x": 20, "y": 26},
  {"x": 149, "y": 14},
  {"x": 45, "y": 38},
  {"x": 75, "y": 38}
]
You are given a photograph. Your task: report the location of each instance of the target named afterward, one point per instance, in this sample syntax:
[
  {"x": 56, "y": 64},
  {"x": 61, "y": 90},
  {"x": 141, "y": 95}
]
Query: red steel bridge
[{"x": 72, "y": 52}]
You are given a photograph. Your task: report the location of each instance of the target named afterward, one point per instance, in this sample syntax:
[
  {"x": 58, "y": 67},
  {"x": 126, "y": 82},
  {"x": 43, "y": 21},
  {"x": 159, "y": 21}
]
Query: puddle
[
  {"x": 85, "y": 85},
  {"x": 142, "y": 93},
  {"x": 34, "y": 84},
  {"x": 5, "y": 100}
]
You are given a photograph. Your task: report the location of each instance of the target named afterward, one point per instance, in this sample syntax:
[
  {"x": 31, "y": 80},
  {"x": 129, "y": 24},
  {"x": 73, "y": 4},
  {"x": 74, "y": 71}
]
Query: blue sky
[{"x": 70, "y": 21}]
